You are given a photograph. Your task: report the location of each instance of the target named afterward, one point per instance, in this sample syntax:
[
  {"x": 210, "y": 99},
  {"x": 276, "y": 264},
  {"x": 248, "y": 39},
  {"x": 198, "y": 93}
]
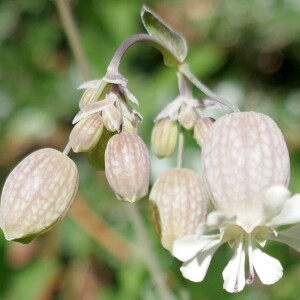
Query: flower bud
[
  {"x": 37, "y": 194},
  {"x": 178, "y": 204},
  {"x": 244, "y": 154},
  {"x": 129, "y": 125},
  {"x": 96, "y": 155},
  {"x": 188, "y": 117},
  {"x": 127, "y": 166},
  {"x": 200, "y": 129},
  {"x": 86, "y": 133},
  {"x": 87, "y": 97},
  {"x": 164, "y": 137},
  {"x": 112, "y": 118}
]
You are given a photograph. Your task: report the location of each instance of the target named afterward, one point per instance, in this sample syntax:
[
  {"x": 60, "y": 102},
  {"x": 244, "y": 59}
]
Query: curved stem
[
  {"x": 185, "y": 88},
  {"x": 185, "y": 70},
  {"x": 180, "y": 149},
  {"x": 67, "y": 148},
  {"x": 170, "y": 58}
]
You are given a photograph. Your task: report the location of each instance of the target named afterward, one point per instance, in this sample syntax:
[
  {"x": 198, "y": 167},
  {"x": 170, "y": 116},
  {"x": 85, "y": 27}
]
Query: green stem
[
  {"x": 170, "y": 58},
  {"x": 180, "y": 146},
  {"x": 67, "y": 148},
  {"x": 185, "y": 87},
  {"x": 185, "y": 70}
]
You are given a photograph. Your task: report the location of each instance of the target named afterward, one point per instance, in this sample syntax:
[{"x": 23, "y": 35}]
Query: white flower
[
  {"x": 197, "y": 250},
  {"x": 245, "y": 166}
]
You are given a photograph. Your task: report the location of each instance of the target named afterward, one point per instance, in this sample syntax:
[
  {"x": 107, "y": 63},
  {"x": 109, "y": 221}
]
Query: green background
[{"x": 246, "y": 51}]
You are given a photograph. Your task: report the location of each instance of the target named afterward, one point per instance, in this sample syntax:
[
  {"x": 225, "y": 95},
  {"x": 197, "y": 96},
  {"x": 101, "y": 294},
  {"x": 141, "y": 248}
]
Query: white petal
[
  {"x": 188, "y": 247},
  {"x": 268, "y": 269},
  {"x": 171, "y": 110},
  {"x": 290, "y": 237},
  {"x": 195, "y": 269},
  {"x": 216, "y": 219},
  {"x": 234, "y": 272},
  {"x": 93, "y": 108},
  {"x": 201, "y": 229},
  {"x": 274, "y": 199},
  {"x": 289, "y": 214},
  {"x": 128, "y": 95},
  {"x": 90, "y": 84}
]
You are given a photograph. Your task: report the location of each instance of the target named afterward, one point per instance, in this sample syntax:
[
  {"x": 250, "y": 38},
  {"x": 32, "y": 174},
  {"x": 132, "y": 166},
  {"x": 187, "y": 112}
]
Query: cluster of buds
[
  {"x": 185, "y": 112},
  {"x": 41, "y": 188},
  {"x": 178, "y": 199},
  {"x": 104, "y": 111},
  {"x": 105, "y": 128}
]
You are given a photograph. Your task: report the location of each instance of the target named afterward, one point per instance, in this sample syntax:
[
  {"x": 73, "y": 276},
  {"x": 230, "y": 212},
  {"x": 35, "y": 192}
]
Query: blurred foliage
[{"x": 247, "y": 51}]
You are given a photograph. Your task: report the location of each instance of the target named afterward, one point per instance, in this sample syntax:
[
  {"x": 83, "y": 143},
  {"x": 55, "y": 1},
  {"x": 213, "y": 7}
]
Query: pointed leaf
[{"x": 158, "y": 29}]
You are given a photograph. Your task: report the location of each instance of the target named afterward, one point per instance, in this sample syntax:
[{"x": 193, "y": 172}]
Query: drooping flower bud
[
  {"x": 127, "y": 166},
  {"x": 87, "y": 97},
  {"x": 243, "y": 155},
  {"x": 112, "y": 118},
  {"x": 164, "y": 137},
  {"x": 178, "y": 204},
  {"x": 96, "y": 155},
  {"x": 86, "y": 133},
  {"x": 188, "y": 117},
  {"x": 200, "y": 129},
  {"x": 37, "y": 194},
  {"x": 128, "y": 125}
]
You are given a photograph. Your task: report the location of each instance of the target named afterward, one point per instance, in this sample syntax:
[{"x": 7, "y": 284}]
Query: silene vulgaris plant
[{"x": 245, "y": 171}]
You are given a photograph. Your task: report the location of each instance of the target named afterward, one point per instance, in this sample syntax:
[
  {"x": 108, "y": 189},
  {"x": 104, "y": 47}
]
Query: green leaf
[{"x": 158, "y": 29}]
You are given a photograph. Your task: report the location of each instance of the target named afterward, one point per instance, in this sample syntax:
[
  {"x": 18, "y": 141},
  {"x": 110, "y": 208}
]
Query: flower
[
  {"x": 86, "y": 133},
  {"x": 37, "y": 194},
  {"x": 245, "y": 166},
  {"x": 178, "y": 204},
  {"x": 127, "y": 166},
  {"x": 201, "y": 127},
  {"x": 103, "y": 106},
  {"x": 196, "y": 250},
  {"x": 164, "y": 137}
]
